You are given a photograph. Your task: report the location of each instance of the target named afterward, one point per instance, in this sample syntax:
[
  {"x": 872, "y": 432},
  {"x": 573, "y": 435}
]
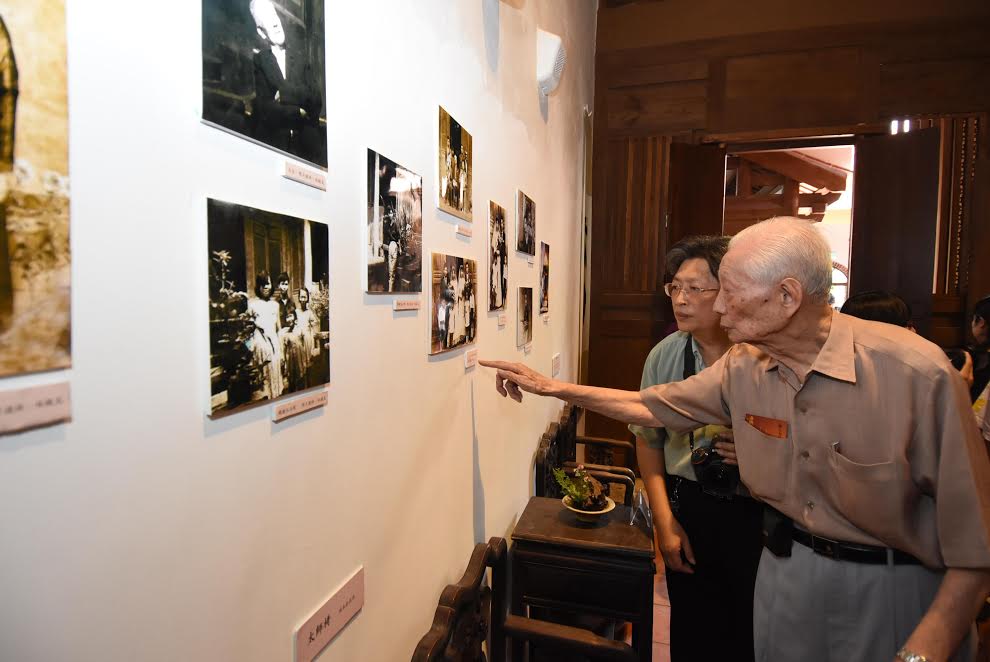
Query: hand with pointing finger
[{"x": 511, "y": 379}]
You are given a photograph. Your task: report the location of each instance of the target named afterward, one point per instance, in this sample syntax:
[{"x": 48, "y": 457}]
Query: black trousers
[{"x": 711, "y": 611}]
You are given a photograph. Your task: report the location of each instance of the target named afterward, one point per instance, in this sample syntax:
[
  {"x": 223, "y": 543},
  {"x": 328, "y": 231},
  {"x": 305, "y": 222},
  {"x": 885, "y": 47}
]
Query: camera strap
[{"x": 689, "y": 371}]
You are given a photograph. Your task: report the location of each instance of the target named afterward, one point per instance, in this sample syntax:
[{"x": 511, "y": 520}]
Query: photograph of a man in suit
[{"x": 286, "y": 106}]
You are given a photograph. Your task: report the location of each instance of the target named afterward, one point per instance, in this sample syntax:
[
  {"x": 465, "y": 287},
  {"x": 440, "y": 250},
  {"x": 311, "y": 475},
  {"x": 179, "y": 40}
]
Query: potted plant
[{"x": 583, "y": 494}]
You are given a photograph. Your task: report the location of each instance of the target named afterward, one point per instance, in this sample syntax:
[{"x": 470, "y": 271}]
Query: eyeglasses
[{"x": 673, "y": 289}]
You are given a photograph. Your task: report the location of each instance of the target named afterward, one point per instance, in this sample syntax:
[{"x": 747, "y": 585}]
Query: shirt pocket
[
  {"x": 868, "y": 495},
  {"x": 764, "y": 462}
]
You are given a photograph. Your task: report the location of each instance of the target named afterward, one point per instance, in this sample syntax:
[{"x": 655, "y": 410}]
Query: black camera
[{"x": 713, "y": 474}]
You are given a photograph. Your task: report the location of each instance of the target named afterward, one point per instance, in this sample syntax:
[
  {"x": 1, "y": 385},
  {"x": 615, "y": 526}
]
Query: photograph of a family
[
  {"x": 524, "y": 318},
  {"x": 454, "y": 310},
  {"x": 525, "y": 224},
  {"x": 264, "y": 73},
  {"x": 544, "y": 277},
  {"x": 269, "y": 305},
  {"x": 395, "y": 227},
  {"x": 454, "y": 154},
  {"x": 498, "y": 258}
]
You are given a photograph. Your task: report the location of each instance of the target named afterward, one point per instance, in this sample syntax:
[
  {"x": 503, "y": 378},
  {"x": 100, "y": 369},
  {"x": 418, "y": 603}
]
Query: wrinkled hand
[
  {"x": 672, "y": 541},
  {"x": 511, "y": 379},
  {"x": 727, "y": 447}
]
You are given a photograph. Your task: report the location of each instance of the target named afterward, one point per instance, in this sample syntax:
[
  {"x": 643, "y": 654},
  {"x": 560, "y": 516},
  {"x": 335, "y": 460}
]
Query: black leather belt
[{"x": 844, "y": 551}]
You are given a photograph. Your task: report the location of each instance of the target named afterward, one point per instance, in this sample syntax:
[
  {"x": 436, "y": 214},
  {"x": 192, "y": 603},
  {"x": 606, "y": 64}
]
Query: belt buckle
[{"x": 824, "y": 547}]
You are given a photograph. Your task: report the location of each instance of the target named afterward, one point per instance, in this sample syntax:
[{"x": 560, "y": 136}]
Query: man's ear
[{"x": 791, "y": 294}]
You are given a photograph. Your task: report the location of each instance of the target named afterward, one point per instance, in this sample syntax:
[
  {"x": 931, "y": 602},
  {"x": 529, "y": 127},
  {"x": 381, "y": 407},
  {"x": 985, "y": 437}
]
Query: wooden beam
[{"x": 801, "y": 168}]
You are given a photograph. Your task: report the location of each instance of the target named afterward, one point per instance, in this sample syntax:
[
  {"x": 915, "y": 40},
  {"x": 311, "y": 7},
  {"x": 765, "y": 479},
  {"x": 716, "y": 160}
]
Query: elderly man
[{"x": 857, "y": 432}]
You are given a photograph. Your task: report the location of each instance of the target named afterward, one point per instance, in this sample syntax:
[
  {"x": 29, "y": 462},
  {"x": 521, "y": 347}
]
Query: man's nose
[{"x": 719, "y": 306}]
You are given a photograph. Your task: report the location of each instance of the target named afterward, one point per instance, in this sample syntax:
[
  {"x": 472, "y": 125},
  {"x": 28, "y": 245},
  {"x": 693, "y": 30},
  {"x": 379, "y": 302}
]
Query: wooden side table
[{"x": 605, "y": 569}]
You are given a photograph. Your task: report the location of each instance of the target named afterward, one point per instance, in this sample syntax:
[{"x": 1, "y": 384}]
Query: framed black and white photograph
[
  {"x": 498, "y": 258},
  {"x": 544, "y": 277},
  {"x": 35, "y": 259},
  {"x": 264, "y": 73},
  {"x": 454, "y": 159},
  {"x": 525, "y": 224},
  {"x": 395, "y": 227},
  {"x": 524, "y": 319},
  {"x": 269, "y": 305},
  {"x": 454, "y": 317}
]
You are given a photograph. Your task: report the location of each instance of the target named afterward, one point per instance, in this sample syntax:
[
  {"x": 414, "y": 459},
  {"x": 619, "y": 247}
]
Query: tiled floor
[{"x": 661, "y": 618}]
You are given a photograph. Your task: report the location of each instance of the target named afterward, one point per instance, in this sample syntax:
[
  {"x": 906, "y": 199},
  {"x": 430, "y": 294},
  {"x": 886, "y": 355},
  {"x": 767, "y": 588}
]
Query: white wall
[{"x": 144, "y": 531}]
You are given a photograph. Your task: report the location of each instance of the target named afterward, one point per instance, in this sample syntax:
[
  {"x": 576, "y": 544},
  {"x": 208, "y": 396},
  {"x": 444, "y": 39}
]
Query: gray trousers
[{"x": 809, "y": 608}]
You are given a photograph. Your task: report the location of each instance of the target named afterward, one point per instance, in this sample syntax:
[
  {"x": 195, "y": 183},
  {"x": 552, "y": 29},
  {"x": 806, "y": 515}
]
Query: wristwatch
[{"x": 907, "y": 656}]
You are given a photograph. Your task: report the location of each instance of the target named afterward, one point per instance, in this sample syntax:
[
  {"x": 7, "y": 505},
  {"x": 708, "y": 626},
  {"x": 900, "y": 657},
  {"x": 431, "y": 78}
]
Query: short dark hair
[
  {"x": 879, "y": 306},
  {"x": 982, "y": 309},
  {"x": 710, "y": 248},
  {"x": 260, "y": 280},
  {"x": 282, "y": 278}
]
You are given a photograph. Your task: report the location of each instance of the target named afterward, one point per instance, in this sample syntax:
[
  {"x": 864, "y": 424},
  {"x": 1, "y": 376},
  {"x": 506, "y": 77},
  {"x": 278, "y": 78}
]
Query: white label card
[
  {"x": 464, "y": 230},
  {"x": 555, "y": 365},
  {"x": 303, "y": 175},
  {"x": 531, "y": 259},
  {"x": 501, "y": 319},
  {"x": 528, "y": 347},
  {"x": 25, "y": 408},
  {"x": 405, "y": 304},
  {"x": 470, "y": 358},
  {"x": 314, "y": 635},
  {"x": 285, "y": 410}
]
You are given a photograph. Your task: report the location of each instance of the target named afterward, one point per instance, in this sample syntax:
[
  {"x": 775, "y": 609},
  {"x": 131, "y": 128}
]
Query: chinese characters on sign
[
  {"x": 314, "y": 635},
  {"x": 26, "y": 408}
]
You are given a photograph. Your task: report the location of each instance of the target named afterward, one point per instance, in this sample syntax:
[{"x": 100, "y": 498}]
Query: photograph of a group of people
[
  {"x": 544, "y": 277},
  {"x": 454, "y": 303},
  {"x": 524, "y": 318},
  {"x": 395, "y": 227},
  {"x": 525, "y": 224},
  {"x": 269, "y": 307},
  {"x": 454, "y": 168},
  {"x": 498, "y": 258},
  {"x": 263, "y": 73}
]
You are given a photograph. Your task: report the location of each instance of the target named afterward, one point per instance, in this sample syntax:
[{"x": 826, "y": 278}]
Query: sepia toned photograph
[
  {"x": 524, "y": 319},
  {"x": 454, "y": 318},
  {"x": 454, "y": 168},
  {"x": 35, "y": 261},
  {"x": 498, "y": 258},
  {"x": 544, "y": 277},
  {"x": 269, "y": 305},
  {"x": 525, "y": 224},
  {"x": 395, "y": 227},
  {"x": 264, "y": 73}
]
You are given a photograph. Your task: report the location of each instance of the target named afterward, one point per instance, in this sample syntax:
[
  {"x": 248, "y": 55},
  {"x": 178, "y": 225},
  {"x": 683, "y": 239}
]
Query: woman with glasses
[{"x": 710, "y": 536}]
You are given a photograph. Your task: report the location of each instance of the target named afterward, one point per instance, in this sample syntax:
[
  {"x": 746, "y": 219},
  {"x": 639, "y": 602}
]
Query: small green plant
[{"x": 585, "y": 492}]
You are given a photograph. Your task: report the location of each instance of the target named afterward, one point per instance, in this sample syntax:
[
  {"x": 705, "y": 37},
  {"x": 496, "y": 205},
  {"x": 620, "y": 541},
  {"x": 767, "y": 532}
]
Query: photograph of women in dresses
[
  {"x": 454, "y": 315},
  {"x": 498, "y": 258},
  {"x": 35, "y": 261},
  {"x": 524, "y": 320},
  {"x": 454, "y": 168},
  {"x": 395, "y": 227},
  {"x": 544, "y": 277},
  {"x": 525, "y": 224},
  {"x": 269, "y": 305},
  {"x": 264, "y": 73}
]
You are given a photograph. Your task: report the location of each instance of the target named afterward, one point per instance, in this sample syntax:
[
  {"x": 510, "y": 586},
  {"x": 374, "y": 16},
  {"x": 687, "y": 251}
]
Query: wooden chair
[{"x": 471, "y": 619}]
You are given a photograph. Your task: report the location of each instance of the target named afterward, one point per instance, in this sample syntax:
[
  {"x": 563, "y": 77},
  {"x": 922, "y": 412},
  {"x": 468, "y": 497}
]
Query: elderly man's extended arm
[{"x": 684, "y": 405}]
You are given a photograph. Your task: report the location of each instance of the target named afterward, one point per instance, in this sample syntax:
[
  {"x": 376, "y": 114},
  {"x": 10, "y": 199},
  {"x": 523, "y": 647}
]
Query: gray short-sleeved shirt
[{"x": 665, "y": 364}]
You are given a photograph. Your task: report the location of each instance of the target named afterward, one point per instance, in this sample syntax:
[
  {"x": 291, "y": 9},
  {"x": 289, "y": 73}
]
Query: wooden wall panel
[
  {"x": 664, "y": 108},
  {"x": 933, "y": 87},
  {"x": 783, "y": 90}
]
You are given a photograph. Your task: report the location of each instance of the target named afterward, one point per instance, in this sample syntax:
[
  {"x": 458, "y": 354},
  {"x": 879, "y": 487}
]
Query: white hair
[{"x": 787, "y": 247}]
